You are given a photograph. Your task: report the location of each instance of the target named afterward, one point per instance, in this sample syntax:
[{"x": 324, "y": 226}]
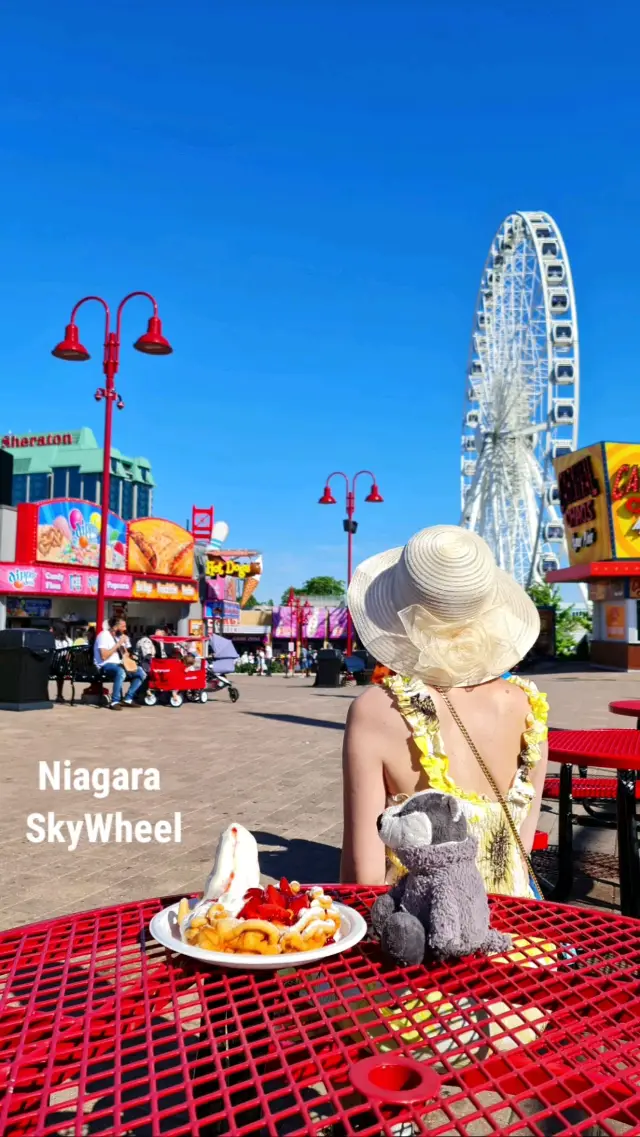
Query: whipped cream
[{"x": 235, "y": 869}]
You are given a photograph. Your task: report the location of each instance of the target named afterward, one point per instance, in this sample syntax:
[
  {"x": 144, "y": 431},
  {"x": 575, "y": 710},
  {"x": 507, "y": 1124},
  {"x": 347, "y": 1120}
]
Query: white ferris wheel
[{"x": 522, "y": 396}]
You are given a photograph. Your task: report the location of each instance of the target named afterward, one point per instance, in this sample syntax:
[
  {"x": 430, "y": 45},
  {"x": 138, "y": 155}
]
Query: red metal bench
[{"x": 586, "y": 789}]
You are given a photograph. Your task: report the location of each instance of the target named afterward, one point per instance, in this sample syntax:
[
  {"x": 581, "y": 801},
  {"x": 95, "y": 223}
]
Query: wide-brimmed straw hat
[{"x": 441, "y": 610}]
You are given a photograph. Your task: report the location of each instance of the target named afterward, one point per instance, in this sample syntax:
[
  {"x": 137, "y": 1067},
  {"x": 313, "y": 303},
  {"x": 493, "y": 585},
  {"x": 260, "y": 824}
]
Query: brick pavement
[{"x": 271, "y": 762}]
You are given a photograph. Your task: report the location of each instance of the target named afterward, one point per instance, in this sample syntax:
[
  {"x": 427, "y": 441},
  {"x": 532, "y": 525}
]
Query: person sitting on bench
[{"x": 110, "y": 647}]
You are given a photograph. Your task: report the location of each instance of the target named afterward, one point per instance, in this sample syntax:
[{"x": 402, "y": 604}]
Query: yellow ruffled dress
[
  {"x": 503, "y": 872},
  {"x": 499, "y": 859}
]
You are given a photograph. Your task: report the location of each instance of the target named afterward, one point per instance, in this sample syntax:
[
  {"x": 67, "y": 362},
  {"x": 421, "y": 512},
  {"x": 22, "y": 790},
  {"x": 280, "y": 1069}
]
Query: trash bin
[
  {"x": 330, "y": 668},
  {"x": 366, "y": 657},
  {"x": 25, "y": 661}
]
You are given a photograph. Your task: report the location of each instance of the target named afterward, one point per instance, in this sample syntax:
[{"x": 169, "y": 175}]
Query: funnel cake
[
  {"x": 311, "y": 927},
  {"x": 237, "y": 916}
]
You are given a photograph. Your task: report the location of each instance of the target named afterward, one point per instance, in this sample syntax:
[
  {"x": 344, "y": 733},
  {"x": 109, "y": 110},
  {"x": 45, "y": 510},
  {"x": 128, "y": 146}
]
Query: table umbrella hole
[{"x": 394, "y": 1079}]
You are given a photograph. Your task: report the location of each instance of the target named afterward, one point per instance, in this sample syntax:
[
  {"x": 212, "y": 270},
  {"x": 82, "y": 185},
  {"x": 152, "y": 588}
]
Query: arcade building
[{"x": 599, "y": 492}]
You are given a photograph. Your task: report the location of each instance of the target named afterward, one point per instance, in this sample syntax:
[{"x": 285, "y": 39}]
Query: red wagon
[{"x": 170, "y": 680}]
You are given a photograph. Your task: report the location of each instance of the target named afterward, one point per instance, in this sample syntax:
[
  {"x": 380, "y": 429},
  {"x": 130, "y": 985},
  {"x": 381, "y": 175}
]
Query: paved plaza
[{"x": 272, "y": 762}]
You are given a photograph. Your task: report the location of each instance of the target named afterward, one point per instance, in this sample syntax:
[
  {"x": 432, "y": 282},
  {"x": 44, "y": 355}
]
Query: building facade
[{"x": 69, "y": 465}]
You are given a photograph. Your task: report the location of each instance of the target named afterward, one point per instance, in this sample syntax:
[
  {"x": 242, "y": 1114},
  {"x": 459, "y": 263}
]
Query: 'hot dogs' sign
[
  {"x": 599, "y": 490},
  {"x": 218, "y": 566}
]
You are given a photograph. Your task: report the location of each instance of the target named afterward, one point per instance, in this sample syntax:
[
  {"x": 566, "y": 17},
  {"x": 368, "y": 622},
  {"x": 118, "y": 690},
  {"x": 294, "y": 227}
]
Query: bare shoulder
[{"x": 375, "y": 710}]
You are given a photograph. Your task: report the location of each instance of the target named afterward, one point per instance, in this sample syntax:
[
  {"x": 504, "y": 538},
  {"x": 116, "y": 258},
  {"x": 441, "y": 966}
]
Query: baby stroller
[{"x": 222, "y": 662}]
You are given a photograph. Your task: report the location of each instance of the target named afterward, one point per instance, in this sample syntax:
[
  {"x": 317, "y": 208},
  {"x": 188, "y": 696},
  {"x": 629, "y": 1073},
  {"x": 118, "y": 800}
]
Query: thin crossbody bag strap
[{"x": 492, "y": 782}]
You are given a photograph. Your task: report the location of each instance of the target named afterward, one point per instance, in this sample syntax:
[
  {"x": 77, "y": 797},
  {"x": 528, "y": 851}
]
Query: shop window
[
  {"x": 114, "y": 494},
  {"x": 19, "y": 489},
  {"x": 127, "y": 500},
  {"x": 74, "y": 482},
  {"x": 144, "y": 502},
  {"x": 90, "y": 483},
  {"x": 60, "y": 483},
  {"x": 39, "y": 487}
]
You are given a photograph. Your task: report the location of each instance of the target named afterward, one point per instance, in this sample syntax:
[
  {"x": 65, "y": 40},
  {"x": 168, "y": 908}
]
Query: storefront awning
[{"x": 597, "y": 570}]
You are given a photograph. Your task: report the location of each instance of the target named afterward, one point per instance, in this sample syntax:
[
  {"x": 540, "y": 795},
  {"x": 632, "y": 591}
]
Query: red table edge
[
  {"x": 630, "y": 707},
  {"x": 133, "y": 908},
  {"x": 581, "y": 757}
]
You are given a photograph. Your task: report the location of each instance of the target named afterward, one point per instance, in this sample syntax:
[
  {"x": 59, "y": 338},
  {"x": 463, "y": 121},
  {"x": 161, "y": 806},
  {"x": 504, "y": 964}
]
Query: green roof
[{"x": 83, "y": 454}]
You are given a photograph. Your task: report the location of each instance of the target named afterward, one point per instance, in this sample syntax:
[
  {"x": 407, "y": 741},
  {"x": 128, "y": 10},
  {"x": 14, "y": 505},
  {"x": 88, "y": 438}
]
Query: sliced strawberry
[
  {"x": 251, "y": 910},
  {"x": 254, "y": 894},
  {"x": 285, "y": 887},
  {"x": 275, "y": 897},
  {"x": 298, "y": 904},
  {"x": 274, "y": 912}
]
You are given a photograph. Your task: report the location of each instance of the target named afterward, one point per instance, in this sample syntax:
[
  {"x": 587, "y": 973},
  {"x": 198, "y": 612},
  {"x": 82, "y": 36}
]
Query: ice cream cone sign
[
  {"x": 251, "y": 581},
  {"x": 219, "y": 535}
]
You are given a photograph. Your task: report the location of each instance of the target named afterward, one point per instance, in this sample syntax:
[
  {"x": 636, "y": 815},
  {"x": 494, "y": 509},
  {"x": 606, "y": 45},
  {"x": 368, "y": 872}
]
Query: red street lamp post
[
  {"x": 349, "y": 525},
  {"x": 302, "y": 617},
  {"x": 152, "y": 342}
]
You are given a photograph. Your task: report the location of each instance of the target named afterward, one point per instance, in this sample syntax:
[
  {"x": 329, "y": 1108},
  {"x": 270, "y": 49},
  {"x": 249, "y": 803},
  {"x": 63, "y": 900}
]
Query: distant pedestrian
[
  {"x": 268, "y": 656},
  {"x": 61, "y": 641}
]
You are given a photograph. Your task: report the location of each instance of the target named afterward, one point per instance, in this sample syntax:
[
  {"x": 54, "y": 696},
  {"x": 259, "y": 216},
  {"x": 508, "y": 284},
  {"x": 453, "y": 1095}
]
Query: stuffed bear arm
[
  {"x": 386, "y": 905},
  {"x": 444, "y": 928}
]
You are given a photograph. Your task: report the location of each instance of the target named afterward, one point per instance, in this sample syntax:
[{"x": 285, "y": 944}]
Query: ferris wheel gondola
[{"x": 522, "y": 396}]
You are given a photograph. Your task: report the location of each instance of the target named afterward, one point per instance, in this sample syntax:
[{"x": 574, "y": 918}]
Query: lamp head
[
  {"x": 374, "y": 495},
  {"x": 70, "y": 347},
  {"x": 153, "y": 342},
  {"x": 327, "y": 497}
]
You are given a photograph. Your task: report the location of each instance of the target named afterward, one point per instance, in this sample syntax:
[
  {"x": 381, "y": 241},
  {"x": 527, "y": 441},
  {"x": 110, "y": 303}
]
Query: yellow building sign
[
  {"x": 599, "y": 490},
  {"x": 623, "y": 463},
  {"x": 582, "y": 485}
]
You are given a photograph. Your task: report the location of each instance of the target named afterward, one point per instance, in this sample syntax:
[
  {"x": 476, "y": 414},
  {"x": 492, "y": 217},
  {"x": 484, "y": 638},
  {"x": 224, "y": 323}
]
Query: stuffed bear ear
[{"x": 454, "y": 807}]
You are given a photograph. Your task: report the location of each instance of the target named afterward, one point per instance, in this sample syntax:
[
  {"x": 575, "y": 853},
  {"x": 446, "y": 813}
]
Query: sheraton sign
[{"x": 22, "y": 441}]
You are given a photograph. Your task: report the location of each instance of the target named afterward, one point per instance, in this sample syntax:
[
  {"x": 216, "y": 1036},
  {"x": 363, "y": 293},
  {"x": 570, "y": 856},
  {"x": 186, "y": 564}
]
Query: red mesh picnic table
[
  {"x": 104, "y": 1031},
  {"x": 617, "y": 750}
]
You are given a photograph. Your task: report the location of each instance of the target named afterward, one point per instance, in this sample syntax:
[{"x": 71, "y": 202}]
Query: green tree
[
  {"x": 318, "y": 586},
  {"x": 568, "y": 621},
  {"x": 253, "y": 602}
]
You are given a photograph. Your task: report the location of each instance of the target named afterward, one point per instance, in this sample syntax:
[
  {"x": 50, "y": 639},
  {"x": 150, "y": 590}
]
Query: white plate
[{"x": 164, "y": 929}]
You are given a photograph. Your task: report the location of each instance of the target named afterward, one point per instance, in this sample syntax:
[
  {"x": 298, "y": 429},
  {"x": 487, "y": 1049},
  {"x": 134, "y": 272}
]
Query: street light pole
[
  {"x": 350, "y": 526},
  {"x": 302, "y": 617},
  {"x": 152, "y": 342}
]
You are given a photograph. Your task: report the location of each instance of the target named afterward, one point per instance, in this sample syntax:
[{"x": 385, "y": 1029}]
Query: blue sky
[{"x": 310, "y": 189}]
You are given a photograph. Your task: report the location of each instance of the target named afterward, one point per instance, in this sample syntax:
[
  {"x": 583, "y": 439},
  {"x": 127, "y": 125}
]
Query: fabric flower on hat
[{"x": 459, "y": 647}]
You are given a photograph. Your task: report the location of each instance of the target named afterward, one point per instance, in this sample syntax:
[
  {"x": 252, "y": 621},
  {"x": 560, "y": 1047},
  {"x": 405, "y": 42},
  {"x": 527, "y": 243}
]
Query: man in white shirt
[{"x": 106, "y": 655}]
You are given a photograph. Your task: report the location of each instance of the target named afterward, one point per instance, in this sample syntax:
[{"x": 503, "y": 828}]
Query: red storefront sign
[{"x": 61, "y": 581}]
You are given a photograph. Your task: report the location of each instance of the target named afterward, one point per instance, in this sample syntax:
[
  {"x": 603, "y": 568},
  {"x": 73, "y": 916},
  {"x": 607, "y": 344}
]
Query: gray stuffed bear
[{"x": 440, "y": 907}]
